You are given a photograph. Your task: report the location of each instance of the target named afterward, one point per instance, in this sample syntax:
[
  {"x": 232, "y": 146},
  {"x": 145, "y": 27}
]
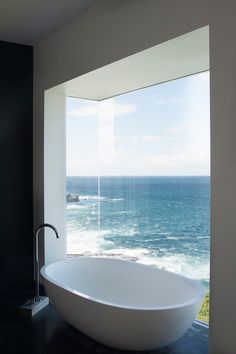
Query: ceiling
[
  {"x": 28, "y": 21},
  {"x": 182, "y": 56}
]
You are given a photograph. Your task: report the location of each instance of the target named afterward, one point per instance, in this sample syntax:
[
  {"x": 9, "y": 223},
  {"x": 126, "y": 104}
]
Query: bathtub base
[{"x": 29, "y": 309}]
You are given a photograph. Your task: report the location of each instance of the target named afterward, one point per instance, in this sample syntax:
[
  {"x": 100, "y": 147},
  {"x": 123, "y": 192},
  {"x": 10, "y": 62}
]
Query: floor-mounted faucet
[
  {"x": 34, "y": 305},
  {"x": 37, "y": 297}
]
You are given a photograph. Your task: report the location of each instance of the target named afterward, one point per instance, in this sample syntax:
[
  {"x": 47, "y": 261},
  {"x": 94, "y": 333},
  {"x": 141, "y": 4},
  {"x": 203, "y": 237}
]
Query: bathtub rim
[{"x": 199, "y": 297}]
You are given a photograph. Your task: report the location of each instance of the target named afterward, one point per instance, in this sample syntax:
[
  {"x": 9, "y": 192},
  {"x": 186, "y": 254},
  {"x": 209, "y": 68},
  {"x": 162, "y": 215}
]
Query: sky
[{"x": 162, "y": 130}]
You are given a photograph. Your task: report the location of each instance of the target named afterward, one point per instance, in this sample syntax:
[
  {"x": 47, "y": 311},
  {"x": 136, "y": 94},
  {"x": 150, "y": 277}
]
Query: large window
[{"x": 138, "y": 176}]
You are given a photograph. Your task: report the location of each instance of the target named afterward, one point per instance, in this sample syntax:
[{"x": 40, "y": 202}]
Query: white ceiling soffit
[
  {"x": 185, "y": 55},
  {"x": 28, "y": 21}
]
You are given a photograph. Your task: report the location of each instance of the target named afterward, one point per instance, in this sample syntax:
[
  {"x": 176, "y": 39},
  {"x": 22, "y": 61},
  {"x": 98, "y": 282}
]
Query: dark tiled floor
[{"x": 47, "y": 333}]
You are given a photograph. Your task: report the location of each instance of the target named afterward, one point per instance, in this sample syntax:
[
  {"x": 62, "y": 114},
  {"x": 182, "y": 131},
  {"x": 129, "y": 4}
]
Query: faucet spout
[{"x": 39, "y": 228}]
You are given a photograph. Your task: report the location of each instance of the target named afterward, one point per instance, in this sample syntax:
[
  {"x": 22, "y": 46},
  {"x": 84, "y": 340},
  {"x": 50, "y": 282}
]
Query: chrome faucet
[{"x": 37, "y": 297}]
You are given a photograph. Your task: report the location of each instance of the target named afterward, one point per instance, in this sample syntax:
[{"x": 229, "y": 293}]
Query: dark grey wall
[
  {"x": 85, "y": 44},
  {"x": 16, "y": 209}
]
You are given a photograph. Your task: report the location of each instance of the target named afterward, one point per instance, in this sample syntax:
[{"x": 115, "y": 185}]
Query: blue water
[{"x": 161, "y": 221}]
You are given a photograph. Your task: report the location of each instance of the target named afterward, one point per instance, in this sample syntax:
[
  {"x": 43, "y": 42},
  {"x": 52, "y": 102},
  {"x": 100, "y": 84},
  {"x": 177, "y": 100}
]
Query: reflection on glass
[{"x": 138, "y": 176}]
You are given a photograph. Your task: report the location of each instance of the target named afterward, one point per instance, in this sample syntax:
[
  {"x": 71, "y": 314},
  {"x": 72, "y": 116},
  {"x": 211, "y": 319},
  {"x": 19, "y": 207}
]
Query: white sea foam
[
  {"x": 135, "y": 253},
  {"x": 180, "y": 263},
  {"x": 124, "y": 231},
  {"x": 93, "y": 243},
  {"x": 117, "y": 199},
  {"x": 91, "y": 197},
  {"x": 86, "y": 242},
  {"x": 77, "y": 206},
  {"x": 172, "y": 238}
]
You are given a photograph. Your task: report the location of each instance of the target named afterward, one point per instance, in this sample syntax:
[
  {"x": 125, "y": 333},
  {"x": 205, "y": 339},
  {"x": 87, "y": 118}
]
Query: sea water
[{"x": 161, "y": 221}]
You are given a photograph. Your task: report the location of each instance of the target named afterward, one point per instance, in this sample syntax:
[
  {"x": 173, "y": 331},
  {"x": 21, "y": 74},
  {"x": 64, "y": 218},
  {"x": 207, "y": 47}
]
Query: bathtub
[{"x": 122, "y": 304}]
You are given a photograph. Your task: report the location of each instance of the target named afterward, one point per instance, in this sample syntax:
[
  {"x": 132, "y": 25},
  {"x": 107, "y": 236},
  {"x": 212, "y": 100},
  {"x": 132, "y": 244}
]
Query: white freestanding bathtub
[{"x": 122, "y": 304}]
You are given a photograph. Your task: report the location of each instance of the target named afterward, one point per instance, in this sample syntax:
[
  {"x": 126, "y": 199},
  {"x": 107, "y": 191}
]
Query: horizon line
[{"x": 138, "y": 175}]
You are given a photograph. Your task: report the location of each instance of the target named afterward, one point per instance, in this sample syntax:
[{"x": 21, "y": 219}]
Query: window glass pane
[{"x": 140, "y": 165}]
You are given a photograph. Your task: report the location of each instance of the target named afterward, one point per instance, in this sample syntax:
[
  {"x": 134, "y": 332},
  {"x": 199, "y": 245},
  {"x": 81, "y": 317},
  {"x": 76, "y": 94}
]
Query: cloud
[
  {"x": 162, "y": 100},
  {"x": 88, "y": 166},
  {"x": 104, "y": 109},
  {"x": 197, "y": 155},
  {"x": 178, "y": 128},
  {"x": 189, "y": 159},
  {"x": 136, "y": 139},
  {"x": 151, "y": 137},
  {"x": 120, "y": 109},
  {"x": 84, "y": 111},
  {"x": 164, "y": 160}
]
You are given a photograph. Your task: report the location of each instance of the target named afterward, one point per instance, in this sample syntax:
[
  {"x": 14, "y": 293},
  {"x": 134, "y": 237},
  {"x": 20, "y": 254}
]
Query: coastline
[{"x": 203, "y": 315}]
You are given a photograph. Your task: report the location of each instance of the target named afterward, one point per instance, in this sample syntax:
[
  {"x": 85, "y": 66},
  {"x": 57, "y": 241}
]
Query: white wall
[
  {"x": 113, "y": 29},
  {"x": 54, "y": 175}
]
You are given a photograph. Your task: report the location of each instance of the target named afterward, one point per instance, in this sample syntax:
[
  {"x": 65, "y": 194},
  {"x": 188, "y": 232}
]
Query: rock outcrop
[{"x": 72, "y": 198}]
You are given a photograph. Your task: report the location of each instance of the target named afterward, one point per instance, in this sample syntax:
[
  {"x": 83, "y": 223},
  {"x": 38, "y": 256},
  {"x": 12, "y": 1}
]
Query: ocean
[{"x": 161, "y": 221}]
